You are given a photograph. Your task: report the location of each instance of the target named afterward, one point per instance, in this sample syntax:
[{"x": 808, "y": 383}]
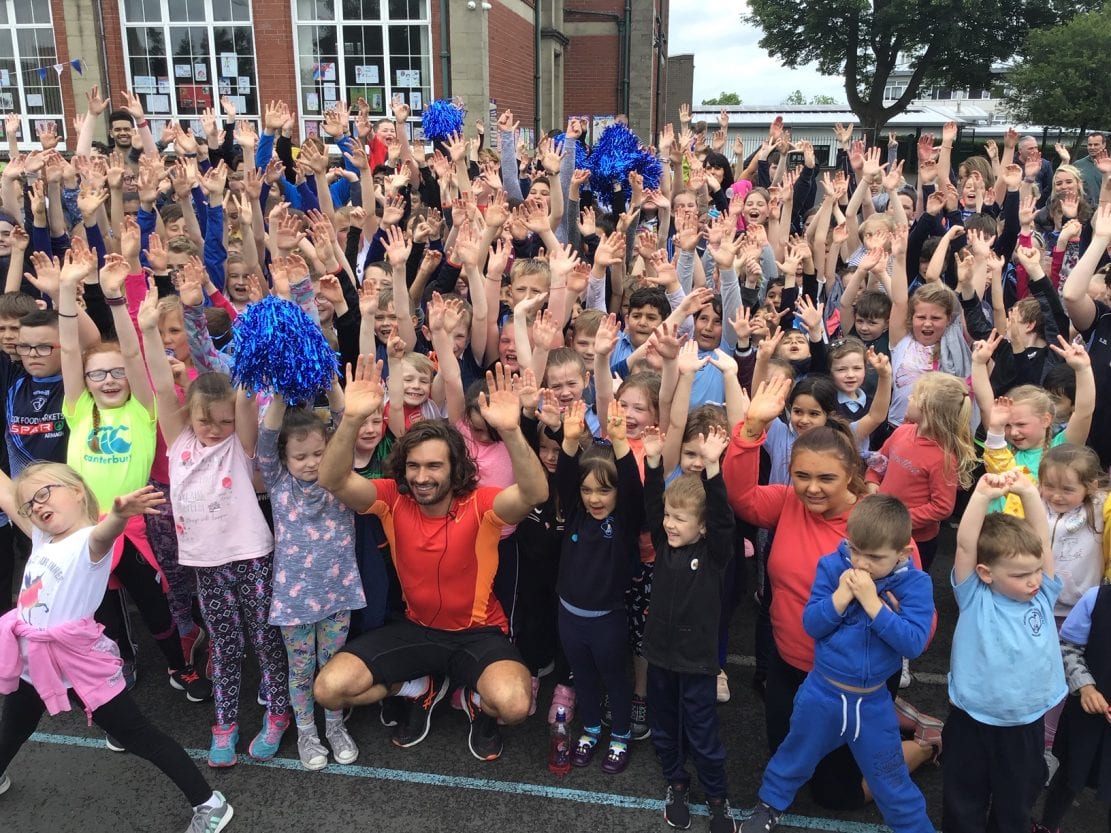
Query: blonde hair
[
  {"x": 420, "y": 363},
  {"x": 205, "y": 391},
  {"x": 877, "y": 223},
  {"x": 946, "y": 418},
  {"x": 169, "y": 304},
  {"x": 936, "y": 293},
  {"x": 1041, "y": 403},
  {"x": 63, "y": 474},
  {"x": 530, "y": 266}
]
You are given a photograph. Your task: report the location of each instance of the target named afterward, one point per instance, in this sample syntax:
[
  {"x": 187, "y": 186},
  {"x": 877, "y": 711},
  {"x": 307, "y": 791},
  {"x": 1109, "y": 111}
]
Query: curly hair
[{"x": 464, "y": 472}]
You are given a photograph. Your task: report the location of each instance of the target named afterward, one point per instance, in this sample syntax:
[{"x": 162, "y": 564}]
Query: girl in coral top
[{"x": 809, "y": 517}]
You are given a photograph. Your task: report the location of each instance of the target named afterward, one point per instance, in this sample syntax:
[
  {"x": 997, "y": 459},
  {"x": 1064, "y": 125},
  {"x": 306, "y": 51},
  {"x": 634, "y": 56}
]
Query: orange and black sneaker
[
  {"x": 414, "y": 727},
  {"x": 484, "y": 738}
]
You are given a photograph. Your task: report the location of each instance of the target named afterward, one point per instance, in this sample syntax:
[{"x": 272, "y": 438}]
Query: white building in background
[{"x": 971, "y": 105}]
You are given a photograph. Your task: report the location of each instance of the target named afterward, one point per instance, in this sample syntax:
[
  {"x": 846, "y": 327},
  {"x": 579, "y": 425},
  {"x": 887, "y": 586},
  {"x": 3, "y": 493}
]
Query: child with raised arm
[
  {"x": 50, "y": 643},
  {"x": 1006, "y": 670},
  {"x": 691, "y": 525},
  {"x": 868, "y": 608}
]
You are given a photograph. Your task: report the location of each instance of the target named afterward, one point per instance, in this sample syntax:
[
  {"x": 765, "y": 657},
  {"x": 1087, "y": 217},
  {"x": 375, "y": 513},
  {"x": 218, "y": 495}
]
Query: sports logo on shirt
[{"x": 110, "y": 439}]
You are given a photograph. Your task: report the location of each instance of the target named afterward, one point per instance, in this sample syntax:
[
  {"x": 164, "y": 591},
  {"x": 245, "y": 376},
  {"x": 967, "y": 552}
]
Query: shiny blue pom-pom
[
  {"x": 279, "y": 347},
  {"x": 617, "y": 152},
  {"x": 442, "y": 118},
  {"x": 581, "y": 162}
]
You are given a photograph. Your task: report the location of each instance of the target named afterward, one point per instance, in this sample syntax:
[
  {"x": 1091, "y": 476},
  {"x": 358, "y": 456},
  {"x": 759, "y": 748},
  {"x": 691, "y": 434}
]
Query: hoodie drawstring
[{"x": 845, "y": 716}]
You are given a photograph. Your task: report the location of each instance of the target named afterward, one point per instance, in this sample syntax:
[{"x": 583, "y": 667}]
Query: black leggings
[
  {"x": 120, "y": 718},
  {"x": 144, "y": 586},
  {"x": 7, "y": 566}
]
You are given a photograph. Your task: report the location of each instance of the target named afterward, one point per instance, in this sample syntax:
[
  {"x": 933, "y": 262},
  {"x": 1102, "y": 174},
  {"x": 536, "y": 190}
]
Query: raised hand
[
  {"x": 615, "y": 422},
  {"x": 1074, "y": 354},
  {"x": 713, "y": 444},
  {"x": 501, "y": 407},
  {"x": 984, "y": 349},
  {"x": 363, "y": 394},
  {"x": 769, "y": 400},
  {"x": 574, "y": 422},
  {"x": 145, "y": 501}
]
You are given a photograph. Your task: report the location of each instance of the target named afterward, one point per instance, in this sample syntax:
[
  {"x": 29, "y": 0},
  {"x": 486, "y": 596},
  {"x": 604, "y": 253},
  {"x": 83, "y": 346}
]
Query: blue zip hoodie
[{"x": 853, "y": 649}]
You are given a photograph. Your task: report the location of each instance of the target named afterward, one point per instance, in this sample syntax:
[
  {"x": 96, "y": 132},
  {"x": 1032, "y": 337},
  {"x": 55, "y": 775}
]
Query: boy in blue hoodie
[{"x": 869, "y": 607}]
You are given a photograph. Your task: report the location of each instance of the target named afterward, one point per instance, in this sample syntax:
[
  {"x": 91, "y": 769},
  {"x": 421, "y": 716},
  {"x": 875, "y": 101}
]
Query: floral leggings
[
  {"x": 235, "y": 600},
  {"x": 308, "y": 648}
]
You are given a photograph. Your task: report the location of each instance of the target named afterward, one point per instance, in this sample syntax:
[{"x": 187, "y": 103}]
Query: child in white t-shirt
[{"x": 51, "y": 644}]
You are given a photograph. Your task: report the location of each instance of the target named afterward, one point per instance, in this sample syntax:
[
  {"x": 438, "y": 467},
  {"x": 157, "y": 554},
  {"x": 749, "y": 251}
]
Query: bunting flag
[{"x": 77, "y": 65}]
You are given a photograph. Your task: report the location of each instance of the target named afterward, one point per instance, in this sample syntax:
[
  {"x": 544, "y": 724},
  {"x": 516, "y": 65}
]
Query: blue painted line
[{"x": 434, "y": 779}]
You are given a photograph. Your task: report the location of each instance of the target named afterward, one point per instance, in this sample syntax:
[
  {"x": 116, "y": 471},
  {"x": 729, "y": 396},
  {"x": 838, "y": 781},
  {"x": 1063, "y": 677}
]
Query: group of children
[{"x": 751, "y": 362}]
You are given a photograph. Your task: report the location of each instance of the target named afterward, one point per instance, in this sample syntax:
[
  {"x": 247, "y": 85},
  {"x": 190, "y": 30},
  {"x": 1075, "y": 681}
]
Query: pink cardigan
[{"x": 77, "y": 651}]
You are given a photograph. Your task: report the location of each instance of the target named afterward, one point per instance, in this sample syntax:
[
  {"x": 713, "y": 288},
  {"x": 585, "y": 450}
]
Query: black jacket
[{"x": 682, "y": 630}]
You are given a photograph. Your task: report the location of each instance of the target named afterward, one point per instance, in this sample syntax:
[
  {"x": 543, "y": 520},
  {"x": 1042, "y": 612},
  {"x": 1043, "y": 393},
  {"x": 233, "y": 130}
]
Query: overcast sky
[{"x": 728, "y": 59}]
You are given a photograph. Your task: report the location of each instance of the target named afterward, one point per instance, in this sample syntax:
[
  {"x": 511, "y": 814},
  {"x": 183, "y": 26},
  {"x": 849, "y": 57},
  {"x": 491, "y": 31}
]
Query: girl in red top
[
  {"x": 809, "y": 516},
  {"x": 928, "y": 456}
]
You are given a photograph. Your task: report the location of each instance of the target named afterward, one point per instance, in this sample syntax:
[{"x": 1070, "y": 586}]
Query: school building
[{"x": 544, "y": 59}]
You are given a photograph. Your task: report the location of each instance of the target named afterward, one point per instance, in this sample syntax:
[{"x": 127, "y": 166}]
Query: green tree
[
  {"x": 1054, "y": 82},
  {"x": 724, "y": 98},
  {"x": 951, "y": 42},
  {"x": 797, "y": 98}
]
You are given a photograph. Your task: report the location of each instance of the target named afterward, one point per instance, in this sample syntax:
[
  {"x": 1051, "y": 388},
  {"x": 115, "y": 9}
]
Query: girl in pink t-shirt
[{"x": 223, "y": 535}]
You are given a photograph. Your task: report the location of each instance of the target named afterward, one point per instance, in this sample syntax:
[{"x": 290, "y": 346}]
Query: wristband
[
  {"x": 142, "y": 124},
  {"x": 117, "y": 301},
  {"x": 189, "y": 155},
  {"x": 67, "y": 315}
]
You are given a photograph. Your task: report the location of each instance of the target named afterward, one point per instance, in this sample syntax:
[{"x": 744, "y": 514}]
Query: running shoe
[
  {"x": 414, "y": 728},
  {"x": 266, "y": 742},
  {"x": 211, "y": 819},
  {"x": 484, "y": 738},
  {"x": 677, "y": 811},
  {"x": 221, "y": 752},
  {"x": 344, "y": 749},
  {"x": 197, "y": 689}
]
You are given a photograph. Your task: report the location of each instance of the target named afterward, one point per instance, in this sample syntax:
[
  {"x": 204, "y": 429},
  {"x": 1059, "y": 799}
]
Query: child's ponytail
[{"x": 945, "y": 406}]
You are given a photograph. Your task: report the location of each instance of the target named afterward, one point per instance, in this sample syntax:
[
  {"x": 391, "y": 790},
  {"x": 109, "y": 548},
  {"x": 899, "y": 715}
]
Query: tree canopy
[
  {"x": 1055, "y": 82},
  {"x": 724, "y": 98},
  {"x": 797, "y": 97},
  {"x": 951, "y": 42}
]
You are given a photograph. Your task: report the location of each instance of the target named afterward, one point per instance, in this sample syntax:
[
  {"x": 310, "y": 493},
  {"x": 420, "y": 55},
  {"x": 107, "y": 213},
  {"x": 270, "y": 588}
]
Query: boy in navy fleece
[{"x": 869, "y": 607}]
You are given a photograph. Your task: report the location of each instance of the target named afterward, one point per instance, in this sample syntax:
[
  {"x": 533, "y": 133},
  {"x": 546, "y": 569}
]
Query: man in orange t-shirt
[{"x": 443, "y": 531}]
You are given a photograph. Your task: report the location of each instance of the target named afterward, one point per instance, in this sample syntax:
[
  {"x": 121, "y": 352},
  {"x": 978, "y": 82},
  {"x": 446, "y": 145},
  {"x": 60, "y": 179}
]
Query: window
[
  {"x": 894, "y": 91},
  {"x": 369, "y": 49},
  {"x": 183, "y": 55},
  {"x": 29, "y": 84}
]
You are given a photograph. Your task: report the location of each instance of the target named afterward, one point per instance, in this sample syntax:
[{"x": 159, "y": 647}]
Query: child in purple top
[{"x": 316, "y": 581}]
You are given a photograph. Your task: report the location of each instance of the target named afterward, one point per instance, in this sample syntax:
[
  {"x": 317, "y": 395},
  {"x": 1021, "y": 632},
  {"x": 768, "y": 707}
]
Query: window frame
[
  {"x": 309, "y": 123},
  {"x": 28, "y": 136},
  {"x": 210, "y": 24}
]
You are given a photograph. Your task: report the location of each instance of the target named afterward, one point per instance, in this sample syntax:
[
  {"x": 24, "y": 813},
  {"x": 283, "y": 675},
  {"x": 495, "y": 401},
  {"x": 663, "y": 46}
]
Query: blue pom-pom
[
  {"x": 442, "y": 118},
  {"x": 617, "y": 152},
  {"x": 581, "y": 161},
  {"x": 278, "y": 347}
]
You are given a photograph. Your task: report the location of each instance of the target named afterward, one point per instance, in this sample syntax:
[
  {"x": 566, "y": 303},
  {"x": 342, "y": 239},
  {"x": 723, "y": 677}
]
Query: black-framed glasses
[
  {"x": 39, "y": 350},
  {"x": 40, "y": 497},
  {"x": 101, "y": 375}
]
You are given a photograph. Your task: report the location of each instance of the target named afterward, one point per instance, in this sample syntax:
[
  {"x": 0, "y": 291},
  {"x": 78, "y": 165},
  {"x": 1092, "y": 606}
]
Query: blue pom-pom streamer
[
  {"x": 618, "y": 151},
  {"x": 278, "y": 347},
  {"x": 581, "y": 161},
  {"x": 441, "y": 118}
]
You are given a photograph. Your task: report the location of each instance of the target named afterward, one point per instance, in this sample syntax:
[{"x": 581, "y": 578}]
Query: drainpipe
[
  {"x": 536, "y": 67},
  {"x": 626, "y": 58},
  {"x": 445, "y": 47}
]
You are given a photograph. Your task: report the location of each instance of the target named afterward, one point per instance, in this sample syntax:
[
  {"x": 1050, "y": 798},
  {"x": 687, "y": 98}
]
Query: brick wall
[
  {"x": 113, "y": 48},
  {"x": 591, "y": 75},
  {"x": 275, "y": 55},
  {"x": 512, "y": 50}
]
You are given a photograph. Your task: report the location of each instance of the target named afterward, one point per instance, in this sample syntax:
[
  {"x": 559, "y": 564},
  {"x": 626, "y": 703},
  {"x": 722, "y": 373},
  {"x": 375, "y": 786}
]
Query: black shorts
[{"x": 402, "y": 650}]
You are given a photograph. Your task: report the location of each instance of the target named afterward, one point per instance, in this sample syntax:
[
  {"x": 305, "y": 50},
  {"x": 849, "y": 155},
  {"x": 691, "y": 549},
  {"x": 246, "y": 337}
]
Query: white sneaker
[
  {"x": 1051, "y": 765},
  {"x": 723, "y": 687},
  {"x": 905, "y": 677},
  {"x": 311, "y": 751},
  {"x": 344, "y": 749},
  {"x": 5, "y": 783}
]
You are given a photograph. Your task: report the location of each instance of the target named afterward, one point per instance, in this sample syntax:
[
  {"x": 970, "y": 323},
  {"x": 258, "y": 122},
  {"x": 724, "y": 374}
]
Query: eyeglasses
[
  {"x": 38, "y": 499},
  {"x": 101, "y": 375},
  {"x": 39, "y": 350}
]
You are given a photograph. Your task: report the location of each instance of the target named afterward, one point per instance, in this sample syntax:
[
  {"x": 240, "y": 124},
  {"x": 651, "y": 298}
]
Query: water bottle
[{"x": 559, "y": 748}]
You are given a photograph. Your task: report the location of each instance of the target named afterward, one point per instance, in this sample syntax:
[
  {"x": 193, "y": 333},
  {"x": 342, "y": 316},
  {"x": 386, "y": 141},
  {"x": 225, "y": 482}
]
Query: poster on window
[
  {"x": 143, "y": 84},
  {"x": 366, "y": 74},
  {"x": 408, "y": 78},
  {"x": 243, "y": 85},
  {"x": 6, "y": 102},
  {"x": 5, "y": 78},
  {"x": 312, "y": 102},
  {"x": 229, "y": 65},
  {"x": 416, "y": 101},
  {"x": 183, "y": 71},
  {"x": 200, "y": 72}
]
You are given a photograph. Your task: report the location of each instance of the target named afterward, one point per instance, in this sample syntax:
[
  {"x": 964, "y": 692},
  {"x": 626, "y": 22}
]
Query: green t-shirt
[
  {"x": 125, "y": 447},
  {"x": 1030, "y": 461}
]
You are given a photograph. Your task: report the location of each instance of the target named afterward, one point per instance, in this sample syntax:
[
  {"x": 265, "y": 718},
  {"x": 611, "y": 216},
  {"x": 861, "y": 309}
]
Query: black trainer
[
  {"x": 721, "y": 818},
  {"x": 677, "y": 811},
  {"x": 414, "y": 728},
  {"x": 391, "y": 711},
  {"x": 639, "y": 716},
  {"x": 197, "y": 689},
  {"x": 764, "y": 819},
  {"x": 484, "y": 738}
]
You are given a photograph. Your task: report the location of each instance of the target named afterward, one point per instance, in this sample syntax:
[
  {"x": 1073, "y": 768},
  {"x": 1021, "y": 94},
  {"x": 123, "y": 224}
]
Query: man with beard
[{"x": 443, "y": 531}]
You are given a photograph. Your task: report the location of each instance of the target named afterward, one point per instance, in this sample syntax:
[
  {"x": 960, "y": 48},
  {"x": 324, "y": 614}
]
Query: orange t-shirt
[{"x": 446, "y": 565}]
